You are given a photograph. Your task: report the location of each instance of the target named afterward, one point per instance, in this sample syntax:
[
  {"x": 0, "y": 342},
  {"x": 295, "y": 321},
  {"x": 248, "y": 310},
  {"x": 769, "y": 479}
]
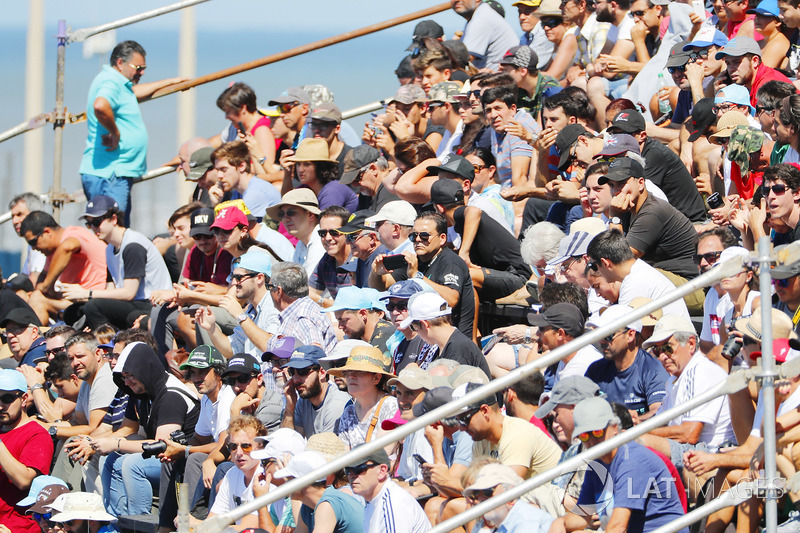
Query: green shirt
[{"x": 534, "y": 104}]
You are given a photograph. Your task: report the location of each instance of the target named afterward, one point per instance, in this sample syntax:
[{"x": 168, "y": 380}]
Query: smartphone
[
  {"x": 188, "y": 311},
  {"x": 715, "y": 201},
  {"x": 240, "y": 126},
  {"x": 699, "y": 7},
  {"x": 417, "y": 457},
  {"x": 393, "y": 262}
]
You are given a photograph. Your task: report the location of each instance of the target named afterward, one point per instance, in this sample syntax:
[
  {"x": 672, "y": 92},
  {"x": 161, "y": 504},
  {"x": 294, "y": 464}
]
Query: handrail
[
  {"x": 742, "y": 492},
  {"x": 729, "y": 268}
]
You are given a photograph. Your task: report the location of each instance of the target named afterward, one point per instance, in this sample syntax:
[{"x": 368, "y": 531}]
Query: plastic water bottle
[{"x": 664, "y": 106}]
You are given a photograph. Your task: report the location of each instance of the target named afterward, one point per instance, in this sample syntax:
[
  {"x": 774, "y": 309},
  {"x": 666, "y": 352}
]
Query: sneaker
[{"x": 792, "y": 525}]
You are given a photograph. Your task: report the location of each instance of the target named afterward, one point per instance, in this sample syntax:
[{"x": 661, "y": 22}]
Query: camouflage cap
[
  {"x": 444, "y": 92},
  {"x": 408, "y": 94},
  {"x": 744, "y": 141}
]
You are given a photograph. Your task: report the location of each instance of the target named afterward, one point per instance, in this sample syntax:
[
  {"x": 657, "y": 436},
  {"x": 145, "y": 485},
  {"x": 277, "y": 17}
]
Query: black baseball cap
[
  {"x": 560, "y": 316},
  {"x": 565, "y": 139},
  {"x": 358, "y": 222},
  {"x": 379, "y": 456},
  {"x": 356, "y": 159},
  {"x": 703, "y": 116},
  {"x": 24, "y": 316},
  {"x": 242, "y": 363},
  {"x": 622, "y": 169},
  {"x": 457, "y": 165},
  {"x": 201, "y": 220},
  {"x": 445, "y": 192},
  {"x": 677, "y": 56},
  {"x": 426, "y": 28},
  {"x": 628, "y": 121}
]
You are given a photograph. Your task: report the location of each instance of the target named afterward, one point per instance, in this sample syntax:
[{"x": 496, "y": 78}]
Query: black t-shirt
[
  {"x": 665, "y": 236},
  {"x": 416, "y": 351},
  {"x": 345, "y": 149},
  {"x": 494, "y": 247},
  {"x": 430, "y": 129},
  {"x": 461, "y": 349},
  {"x": 665, "y": 169}
]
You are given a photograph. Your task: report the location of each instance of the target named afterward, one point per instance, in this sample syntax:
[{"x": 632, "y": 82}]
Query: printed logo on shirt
[{"x": 451, "y": 279}]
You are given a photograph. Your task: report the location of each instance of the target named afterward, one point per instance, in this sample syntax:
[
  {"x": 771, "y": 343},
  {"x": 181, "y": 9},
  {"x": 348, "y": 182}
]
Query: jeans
[
  {"x": 118, "y": 188},
  {"x": 128, "y": 481}
]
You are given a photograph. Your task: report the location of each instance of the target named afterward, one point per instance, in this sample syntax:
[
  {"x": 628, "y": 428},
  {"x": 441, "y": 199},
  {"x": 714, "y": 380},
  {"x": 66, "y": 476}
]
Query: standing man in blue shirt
[{"x": 116, "y": 147}]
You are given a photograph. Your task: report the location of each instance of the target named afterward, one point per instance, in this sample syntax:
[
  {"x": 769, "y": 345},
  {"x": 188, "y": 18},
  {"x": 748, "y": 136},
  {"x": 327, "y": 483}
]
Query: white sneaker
[{"x": 792, "y": 525}]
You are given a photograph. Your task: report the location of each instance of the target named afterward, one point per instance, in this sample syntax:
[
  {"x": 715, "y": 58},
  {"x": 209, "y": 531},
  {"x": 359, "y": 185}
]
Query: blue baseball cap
[
  {"x": 767, "y": 8},
  {"x": 406, "y": 289},
  {"x": 38, "y": 483},
  {"x": 735, "y": 94},
  {"x": 305, "y": 356},
  {"x": 350, "y": 298},
  {"x": 255, "y": 261},
  {"x": 99, "y": 205},
  {"x": 707, "y": 36},
  {"x": 11, "y": 380}
]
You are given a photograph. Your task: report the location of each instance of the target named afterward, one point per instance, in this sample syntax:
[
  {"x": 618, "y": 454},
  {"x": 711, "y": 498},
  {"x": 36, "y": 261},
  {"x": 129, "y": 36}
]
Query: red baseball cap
[
  {"x": 780, "y": 349},
  {"x": 230, "y": 217}
]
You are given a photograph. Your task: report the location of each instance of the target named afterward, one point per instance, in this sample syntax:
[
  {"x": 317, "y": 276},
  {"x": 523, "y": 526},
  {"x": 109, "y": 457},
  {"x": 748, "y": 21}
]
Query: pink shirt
[{"x": 87, "y": 266}]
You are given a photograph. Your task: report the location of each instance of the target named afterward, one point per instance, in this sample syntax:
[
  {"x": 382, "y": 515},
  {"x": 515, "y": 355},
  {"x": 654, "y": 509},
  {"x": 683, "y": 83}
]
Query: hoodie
[{"x": 166, "y": 400}]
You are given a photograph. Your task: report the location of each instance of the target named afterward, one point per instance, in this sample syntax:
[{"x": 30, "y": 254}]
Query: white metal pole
[
  {"x": 187, "y": 100},
  {"x": 33, "y": 147}
]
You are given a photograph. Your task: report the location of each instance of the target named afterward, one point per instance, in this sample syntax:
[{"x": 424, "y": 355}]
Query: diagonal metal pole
[{"x": 738, "y": 494}]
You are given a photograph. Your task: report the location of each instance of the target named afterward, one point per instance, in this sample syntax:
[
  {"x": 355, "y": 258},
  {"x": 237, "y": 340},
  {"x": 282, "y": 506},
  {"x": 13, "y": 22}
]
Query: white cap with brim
[
  {"x": 668, "y": 326},
  {"x": 301, "y": 464},
  {"x": 613, "y": 313},
  {"x": 396, "y": 212},
  {"x": 282, "y": 441},
  {"x": 425, "y": 306},
  {"x": 82, "y": 506},
  {"x": 343, "y": 348}
]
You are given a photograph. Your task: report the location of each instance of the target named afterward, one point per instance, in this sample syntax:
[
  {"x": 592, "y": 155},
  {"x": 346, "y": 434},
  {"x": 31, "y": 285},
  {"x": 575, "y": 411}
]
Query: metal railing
[{"x": 727, "y": 269}]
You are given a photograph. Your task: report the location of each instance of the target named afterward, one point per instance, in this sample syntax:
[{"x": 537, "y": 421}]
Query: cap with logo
[
  {"x": 397, "y": 212},
  {"x": 201, "y": 221},
  {"x": 305, "y": 356},
  {"x": 229, "y": 218},
  {"x": 446, "y": 192},
  {"x": 290, "y": 96},
  {"x": 707, "y": 36},
  {"x": 564, "y": 141},
  {"x": 46, "y": 497},
  {"x": 702, "y": 117},
  {"x": 739, "y": 46},
  {"x": 405, "y": 289},
  {"x": 38, "y": 484},
  {"x": 281, "y": 348},
  {"x": 425, "y": 306},
  {"x": 204, "y": 356},
  {"x": 199, "y": 163},
  {"x": 356, "y": 159},
  {"x": 628, "y": 121},
  {"x": 455, "y": 164},
  {"x": 678, "y": 57},
  {"x": 99, "y": 205},
  {"x": 358, "y": 222},
  {"x": 619, "y": 144},
  {"x": 327, "y": 111},
  {"x": 560, "y": 316},
  {"x": 303, "y": 198},
  {"x": 444, "y": 92},
  {"x": 409, "y": 94},
  {"x": 242, "y": 363},
  {"x": 520, "y": 56},
  {"x": 568, "y": 391}
]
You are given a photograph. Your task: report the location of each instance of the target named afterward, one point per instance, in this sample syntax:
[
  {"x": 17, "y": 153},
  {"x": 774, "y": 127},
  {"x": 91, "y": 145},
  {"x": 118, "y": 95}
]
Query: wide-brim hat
[
  {"x": 312, "y": 150},
  {"x": 82, "y": 506},
  {"x": 365, "y": 359},
  {"x": 303, "y": 198}
]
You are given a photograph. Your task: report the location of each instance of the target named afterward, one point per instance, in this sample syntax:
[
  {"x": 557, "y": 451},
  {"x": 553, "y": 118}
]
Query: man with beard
[
  {"x": 25, "y": 451},
  {"x": 312, "y": 404}
]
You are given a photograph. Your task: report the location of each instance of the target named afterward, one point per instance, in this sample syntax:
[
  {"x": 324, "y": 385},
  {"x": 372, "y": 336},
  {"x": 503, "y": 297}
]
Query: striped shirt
[
  {"x": 305, "y": 321},
  {"x": 591, "y": 39},
  {"x": 394, "y": 510}
]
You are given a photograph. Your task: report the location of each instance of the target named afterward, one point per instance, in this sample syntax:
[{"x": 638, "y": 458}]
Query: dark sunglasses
[
  {"x": 638, "y": 13},
  {"x": 764, "y": 109},
  {"x": 475, "y": 94},
  {"x": 238, "y": 278},
  {"x": 777, "y": 189},
  {"x": 478, "y": 168},
  {"x": 95, "y": 222},
  {"x": 337, "y": 363},
  {"x": 33, "y": 241},
  {"x": 333, "y": 232},
  {"x": 673, "y": 70},
  {"x": 666, "y": 348},
  {"x": 241, "y": 379},
  {"x": 400, "y": 306},
  {"x": 302, "y": 372},
  {"x": 781, "y": 283},
  {"x": 608, "y": 339},
  {"x": 353, "y": 237},
  {"x": 11, "y": 397},
  {"x": 414, "y": 326},
  {"x": 287, "y": 213},
  {"x": 55, "y": 352},
  {"x": 423, "y": 236},
  {"x": 285, "y": 108},
  {"x": 138, "y": 68},
  {"x": 15, "y": 329},
  {"x": 710, "y": 257},
  {"x": 480, "y": 494},
  {"x": 464, "y": 418},
  {"x": 551, "y": 23},
  {"x": 220, "y": 231},
  {"x": 355, "y": 471},
  {"x": 203, "y": 236},
  {"x": 591, "y": 265},
  {"x": 434, "y": 105},
  {"x": 245, "y": 446},
  {"x": 698, "y": 54}
]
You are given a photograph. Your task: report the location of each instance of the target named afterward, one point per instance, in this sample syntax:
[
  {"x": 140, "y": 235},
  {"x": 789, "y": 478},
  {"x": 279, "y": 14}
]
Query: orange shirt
[{"x": 87, "y": 267}]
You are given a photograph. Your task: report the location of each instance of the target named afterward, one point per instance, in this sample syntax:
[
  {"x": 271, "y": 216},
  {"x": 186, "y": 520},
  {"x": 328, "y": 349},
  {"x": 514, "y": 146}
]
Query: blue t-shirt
[
  {"x": 129, "y": 159},
  {"x": 683, "y": 107},
  {"x": 335, "y": 193},
  {"x": 640, "y": 385},
  {"x": 349, "y": 512},
  {"x": 563, "y": 215},
  {"x": 637, "y": 480},
  {"x": 259, "y": 195}
]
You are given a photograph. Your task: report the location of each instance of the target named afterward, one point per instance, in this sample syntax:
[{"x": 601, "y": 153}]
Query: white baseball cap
[
  {"x": 398, "y": 212},
  {"x": 425, "y": 306},
  {"x": 301, "y": 464},
  {"x": 284, "y": 440}
]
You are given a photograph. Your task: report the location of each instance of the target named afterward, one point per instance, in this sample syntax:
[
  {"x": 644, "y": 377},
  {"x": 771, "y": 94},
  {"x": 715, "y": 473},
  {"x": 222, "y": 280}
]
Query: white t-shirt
[
  {"x": 407, "y": 467},
  {"x": 792, "y": 402},
  {"x": 310, "y": 254},
  {"x": 791, "y": 156},
  {"x": 623, "y": 31},
  {"x": 747, "y": 310},
  {"x": 34, "y": 262},
  {"x": 215, "y": 417},
  {"x": 644, "y": 280},
  {"x": 715, "y": 307},
  {"x": 99, "y": 394},
  {"x": 394, "y": 510},
  {"x": 579, "y": 363},
  {"x": 233, "y": 493},
  {"x": 700, "y": 375}
]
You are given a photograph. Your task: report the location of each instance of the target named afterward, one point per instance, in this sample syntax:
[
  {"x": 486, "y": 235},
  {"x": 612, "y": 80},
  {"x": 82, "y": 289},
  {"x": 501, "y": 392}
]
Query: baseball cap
[
  {"x": 343, "y": 349},
  {"x": 443, "y": 92},
  {"x": 409, "y": 94},
  {"x": 564, "y": 141},
  {"x": 434, "y": 398},
  {"x": 781, "y": 270},
  {"x": 727, "y": 123},
  {"x": 619, "y": 144},
  {"x": 242, "y": 363},
  {"x": 425, "y": 306},
  {"x": 356, "y": 159},
  {"x": 745, "y": 140},
  {"x": 379, "y": 456},
  {"x": 291, "y": 95},
  {"x": 702, "y": 117},
  {"x": 447, "y": 191},
  {"x": 228, "y": 218},
  {"x": 549, "y": 8},
  {"x": 767, "y": 8},
  {"x": 38, "y": 483},
  {"x": 254, "y": 261},
  {"x": 305, "y": 356},
  {"x": 303, "y": 198},
  {"x": 520, "y": 56},
  {"x": 413, "y": 377},
  {"x": 612, "y": 313},
  {"x": 677, "y": 56},
  {"x": 734, "y": 94},
  {"x": 327, "y": 111},
  {"x": 628, "y": 121},
  {"x": 19, "y": 282},
  {"x": 358, "y": 222},
  {"x": 455, "y": 164},
  {"x": 739, "y": 46},
  {"x": 396, "y": 212},
  {"x": 560, "y": 316},
  {"x": 592, "y": 414},
  {"x": 568, "y": 391},
  {"x": 573, "y": 245},
  {"x": 464, "y": 389},
  {"x": 204, "y": 356},
  {"x": 283, "y": 440},
  {"x": 301, "y": 464},
  {"x": 404, "y": 68},
  {"x": 47, "y": 496},
  {"x": 464, "y": 374},
  {"x": 354, "y": 298},
  {"x": 99, "y": 205},
  {"x": 282, "y": 348},
  {"x": 707, "y": 36},
  {"x": 529, "y": 3},
  {"x": 667, "y": 327},
  {"x": 622, "y": 169},
  {"x": 200, "y": 221},
  {"x": 491, "y": 475},
  {"x": 426, "y": 28},
  {"x": 199, "y": 163},
  {"x": 396, "y": 420},
  {"x": 24, "y": 316},
  {"x": 405, "y": 289}
]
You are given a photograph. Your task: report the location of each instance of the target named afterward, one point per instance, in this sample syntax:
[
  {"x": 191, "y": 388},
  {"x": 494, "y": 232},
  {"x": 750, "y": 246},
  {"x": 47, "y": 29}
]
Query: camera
[
  {"x": 149, "y": 449},
  {"x": 731, "y": 348}
]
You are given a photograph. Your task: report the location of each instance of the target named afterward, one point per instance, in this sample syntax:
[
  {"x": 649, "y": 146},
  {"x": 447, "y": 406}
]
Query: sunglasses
[
  {"x": 551, "y": 23},
  {"x": 480, "y": 495},
  {"x": 764, "y": 109},
  {"x": 287, "y": 213},
  {"x": 638, "y": 13},
  {"x": 665, "y": 349},
  {"x": 55, "y": 352},
  {"x": 608, "y": 339},
  {"x": 34, "y": 240},
  {"x": 138, "y": 68},
  {"x": 337, "y": 363},
  {"x": 673, "y": 70},
  {"x": 777, "y": 189},
  {"x": 245, "y": 446},
  {"x": 322, "y": 126},
  {"x": 11, "y": 397},
  {"x": 353, "y": 237},
  {"x": 698, "y": 54},
  {"x": 591, "y": 265},
  {"x": 780, "y": 283},
  {"x": 464, "y": 418},
  {"x": 203, "y": 237},
  {"x": 423, "y": 236},
  {"x": 710, "y": 257},
  {"x": 434, "y": 105},
  {"x": 597, "y": 433},
  {"x": 355, "y": 471},
  {"x": 303, "y": 372},
  {"x": 95, "y": 222},
  {"x": 241, "y": 379},
  {"x": 285, "y": 108},
  {"x": 475, "y": 94},
  {"x": 333, "y": 232},
  {"x": 220, "y": 231},
  {"x": 238, "y": 278},
  {"x": 400, "y": 306}
]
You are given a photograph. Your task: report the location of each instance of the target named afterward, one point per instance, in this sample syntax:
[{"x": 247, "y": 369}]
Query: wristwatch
[
  {"x": 527, "y": 338},
  {"x": 36, "y": 386},
  {"x": 242, "y": 317},
  {"x": 53, "y": 431},
  {"x": 616, "y": 221}
]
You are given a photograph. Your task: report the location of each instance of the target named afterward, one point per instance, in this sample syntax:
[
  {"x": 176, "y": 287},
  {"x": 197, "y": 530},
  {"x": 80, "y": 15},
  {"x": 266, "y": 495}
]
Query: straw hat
[
  {"x": 366, "y": 359},
  {"x": 328, "y": 444},
  {"x": 312, "y": 150},
  {"x": 728, "y": 122}
]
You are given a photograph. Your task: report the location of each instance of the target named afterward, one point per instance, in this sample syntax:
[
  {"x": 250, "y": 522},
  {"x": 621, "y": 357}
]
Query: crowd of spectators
[{"x": 319, "y": 290}]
